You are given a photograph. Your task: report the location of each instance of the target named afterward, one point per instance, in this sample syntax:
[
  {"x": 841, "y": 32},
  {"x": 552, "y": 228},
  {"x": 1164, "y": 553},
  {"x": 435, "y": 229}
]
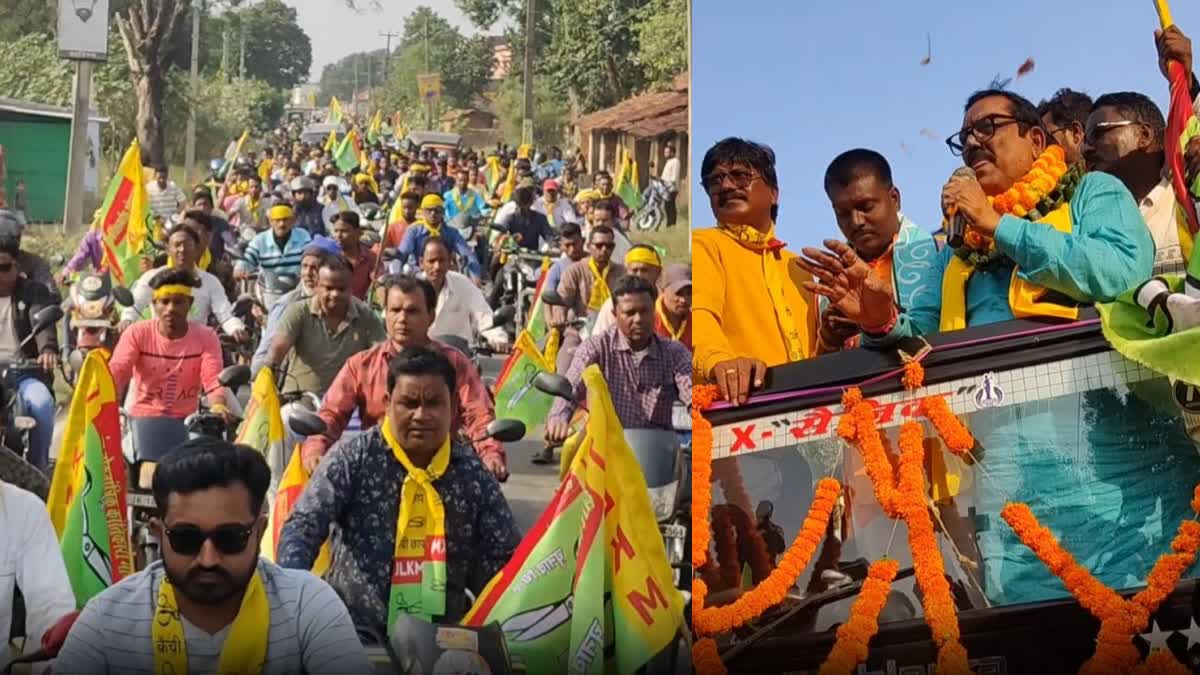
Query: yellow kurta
[{"x": 732, "y": 311}]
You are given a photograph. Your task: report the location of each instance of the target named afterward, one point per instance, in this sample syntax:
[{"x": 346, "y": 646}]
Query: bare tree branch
[
  {"x": 178, "y": 9},
  {"x": 127, "y": 39}
]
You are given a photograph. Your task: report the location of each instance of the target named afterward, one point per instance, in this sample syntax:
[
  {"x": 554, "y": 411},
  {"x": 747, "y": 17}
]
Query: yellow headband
[
  {"x": 280, "y": 212},
  {"x": 432, "y": 201},
  {"x": 587, "y": 196},
  {"x": 642, "y": 255},
  {"x": 172, "y": 289}
]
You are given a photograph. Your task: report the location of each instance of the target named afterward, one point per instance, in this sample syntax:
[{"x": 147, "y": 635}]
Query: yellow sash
[
  {"x": 430, "y": 228},
  {"x": 1023, "y": 296},
  {"x": 419, "y": 571},
  {"x": 774, "y": 275},
  {"x": 245, "y": 649},
  {"x": 458, "y": 202},
  {"x": 600, "y": 290},
  {"x": 205, "y": 260},
  {"x": 666, "y": 322}
]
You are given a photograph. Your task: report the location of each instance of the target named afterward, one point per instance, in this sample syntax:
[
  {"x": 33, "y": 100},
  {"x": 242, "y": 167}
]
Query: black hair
[
  {"x": 435, "y": 241},
  {"x": 185, "y": 229},
  {"x": 604, "y": 205},
  {"x": 741, "y": 152},
  {"x": 631, "y": 285},
  {"x": 336, "y": 263},
  {"x": 421, "y": 361},
  {"x": 600, "y": 229},
  {"x": 10, "y": 244},
  {"x": 350, "y": 218},
  {"x": 1066, "y": 107},
  {"x": 1138, "y": 108},
  {"x": 523, "y": 196},
  {"x": 202, "y": 191},
  {"x": 1025, "y": 112},
  {"x": 255, "y": 177},
  {"x": 409, "y": 285},
  {"x": 175, "y": 275},
  {"x": 414, "y": 196},
  {"x": 161, "y": 168},
  {"x": 200, "y": 218},
  {"x": 570, "y": 230},
  {"x": 203, "y": 463},
  {"x": 857, "y": 162}
]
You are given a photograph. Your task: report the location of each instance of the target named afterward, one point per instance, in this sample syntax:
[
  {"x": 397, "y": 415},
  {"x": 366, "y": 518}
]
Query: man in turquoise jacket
[{"x": 1061, "y": 239}]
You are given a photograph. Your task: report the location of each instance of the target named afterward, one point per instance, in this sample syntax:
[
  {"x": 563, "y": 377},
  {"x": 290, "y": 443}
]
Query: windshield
[{"x": 1101, "y": 449}]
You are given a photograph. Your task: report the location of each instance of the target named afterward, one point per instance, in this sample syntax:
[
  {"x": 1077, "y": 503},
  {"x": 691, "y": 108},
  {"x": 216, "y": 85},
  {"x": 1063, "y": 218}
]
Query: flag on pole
[
  {"x": 331, "y": 142},
  {"x": 491, "y": 174},
  {"x": 1181, "y": 127},
  {"x": 335, "y": 111},
  {"x": 124, "y": 220},
  {"x": 626, "y": 186},
  {"x": 290, "y": 488},
  {"x": 232, "y": 151},
  {"x": 516, "y": 397},
  {"x": 589, "y": 589},
  {"x": 87, "y": 493},
  {"x": 375, "y": 129},
  {"x": 510, "y": 183},
  {"x": 346, "y": 155}
]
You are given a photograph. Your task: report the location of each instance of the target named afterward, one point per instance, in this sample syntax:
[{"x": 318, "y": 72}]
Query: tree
[
  {"x": 278, "y": 51},
  {"x": 550, "y": 112},
  {"x": 338, "y": 78},
  {"x": 146, "y": 33},
  {"x": 662, "y": 41}
]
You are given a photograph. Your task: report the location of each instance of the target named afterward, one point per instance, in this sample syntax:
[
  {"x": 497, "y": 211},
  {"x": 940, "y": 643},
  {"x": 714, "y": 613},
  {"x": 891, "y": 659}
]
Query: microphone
[{"x": 958, "y": 224}]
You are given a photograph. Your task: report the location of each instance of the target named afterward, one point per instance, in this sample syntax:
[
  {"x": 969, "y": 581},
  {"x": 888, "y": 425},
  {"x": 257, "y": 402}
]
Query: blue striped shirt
[{"x": 264, "y": 252}]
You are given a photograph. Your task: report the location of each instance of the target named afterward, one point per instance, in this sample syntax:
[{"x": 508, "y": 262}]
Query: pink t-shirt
[{"x": 168, "y": 375}]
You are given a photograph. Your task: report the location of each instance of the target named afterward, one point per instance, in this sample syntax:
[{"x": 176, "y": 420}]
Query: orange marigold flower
[
  {"x": 705, "y": 658},
  {"x": 702, "y": 439},
  {"x": 953, "y": 432},
  {"x": 1196, "y": 499},
  {"x": 914, "y": 375},
  {"x": 854, "y": 636}
]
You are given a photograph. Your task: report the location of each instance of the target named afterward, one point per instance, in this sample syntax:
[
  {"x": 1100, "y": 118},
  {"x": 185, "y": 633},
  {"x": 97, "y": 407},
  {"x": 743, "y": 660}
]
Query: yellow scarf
[
  {"x": 245, "y": 649},
  {"x": 434, "y": 231},
  {"x": 1023, "y": 296},
  {"x": 550, "y": 211},
  {"x": 600, "y": 290},
  {"x": 205, "y": 260},
  {"x": 458, "y": 202},
  {"x": 666, "y": 322},
  {"x": 419, "y": 570},
  {"x": 771, "y": 250}
]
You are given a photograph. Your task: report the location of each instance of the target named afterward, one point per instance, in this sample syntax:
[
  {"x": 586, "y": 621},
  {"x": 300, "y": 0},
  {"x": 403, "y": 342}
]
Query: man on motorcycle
[
  {"x": 584, "y": 287},
  {"x": 670, "y": 177},
  {"x": 461, "y": 308},
  {"x": 222, "y": 233},
  {"x": 409, "y": 307},
  {"x": 463, "y": 198},
  {"x": 208, "y": 301},
  {"x": 216, "y": 604},
  {"x": 250, "y": 209},
  {"x": 20, "y": 300},
  {"x": 570, "y": 240},
  {"x": 172, "y": 361},
  {"x": 310, "y": 264},
  {"x": 645, "y": 373},
  {"x": 603, "y": 183},
  {"x": 347, "y": 232},
  {"x": 410, "y": 202},
  {"x": 410, "y": 470},
  {"x": 526, "y": 225},
  {"x": 673, "y": 312},
  {"x": 558, "y": 211},
  {"x": 333, "y": 199},
  {"x": 30, "y": 559},
  {"x": 277, "y": 250},
  {"x": 433, "y": 210},
  {"x": 33, "y": 266},
  {"x": 308, "y": 210},
  {"x": 641, "y": 261},
  {"x": 365, "y": 189}
]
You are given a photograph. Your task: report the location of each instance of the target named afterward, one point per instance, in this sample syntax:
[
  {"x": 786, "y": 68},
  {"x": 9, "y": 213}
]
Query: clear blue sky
[{"x": 815, "y": 79}]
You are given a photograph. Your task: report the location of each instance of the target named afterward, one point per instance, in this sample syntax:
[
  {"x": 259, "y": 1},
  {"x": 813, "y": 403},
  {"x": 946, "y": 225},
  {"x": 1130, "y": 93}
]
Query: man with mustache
[
  {"x": 1049, "y": 239},
  {"x": 211, "y": 604},
  {"x": 1065, "y": 117},
  {"x": 866, "y": 204},
  {"x": 750, "y": 310}
]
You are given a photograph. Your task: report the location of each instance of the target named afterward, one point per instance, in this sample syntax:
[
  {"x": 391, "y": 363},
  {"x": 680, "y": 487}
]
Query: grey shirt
[{"x": 311, "y": 631}]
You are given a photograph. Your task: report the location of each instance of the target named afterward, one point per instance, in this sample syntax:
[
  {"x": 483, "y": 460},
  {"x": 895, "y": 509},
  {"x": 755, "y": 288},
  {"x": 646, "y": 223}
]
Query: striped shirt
[
  {"x": 165, "y": 202},
  {"x": 311, "y": 631},
  {"x": 264, "y": 252}
]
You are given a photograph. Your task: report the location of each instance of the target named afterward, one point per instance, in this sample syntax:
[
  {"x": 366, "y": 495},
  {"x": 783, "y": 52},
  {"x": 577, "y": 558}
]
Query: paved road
[{"x": 529, "y": 486}]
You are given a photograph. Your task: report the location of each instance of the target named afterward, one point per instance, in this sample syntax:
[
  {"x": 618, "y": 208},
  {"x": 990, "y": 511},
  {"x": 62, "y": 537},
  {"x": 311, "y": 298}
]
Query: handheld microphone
[{"x": 958, "y": 223}]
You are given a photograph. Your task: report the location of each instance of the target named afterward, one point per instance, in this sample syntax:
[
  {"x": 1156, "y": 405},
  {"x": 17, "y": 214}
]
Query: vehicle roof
[
  {"x": 434, "y": 138},
  {"x": 321, "y": 128}
]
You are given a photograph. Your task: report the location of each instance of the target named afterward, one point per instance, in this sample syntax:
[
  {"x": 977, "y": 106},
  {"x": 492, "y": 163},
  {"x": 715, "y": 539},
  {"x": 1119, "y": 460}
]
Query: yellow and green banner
[{"x": 124, "y": 219}]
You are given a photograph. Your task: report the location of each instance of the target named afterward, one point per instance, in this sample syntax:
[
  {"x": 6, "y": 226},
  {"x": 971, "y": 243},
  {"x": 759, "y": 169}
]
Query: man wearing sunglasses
[
  {"x": 211, "y": 604},
  {"x": 1065, "y": 117},
  {"x": 750, "y": 310},
  {"x": 584, "y": 288},
  {"x": 420, "y": 520}
]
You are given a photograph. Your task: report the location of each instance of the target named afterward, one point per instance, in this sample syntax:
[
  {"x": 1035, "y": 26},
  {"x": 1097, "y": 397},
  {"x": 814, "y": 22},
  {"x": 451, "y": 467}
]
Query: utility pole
[
  {"x": 190, "y": 148},
  {"x": 428, "y": 102},
  {"x": 527, "y": 103},
  {"x": 242, "y": 54},
  {"x": 354, "y": 96},
  {"x": 77, "y": 157},
  {"x": 387, "y": 55}
]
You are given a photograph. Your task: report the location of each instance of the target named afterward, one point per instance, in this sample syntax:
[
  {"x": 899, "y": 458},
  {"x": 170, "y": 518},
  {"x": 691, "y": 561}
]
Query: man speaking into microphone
[{"x": 1039, "y": 238}]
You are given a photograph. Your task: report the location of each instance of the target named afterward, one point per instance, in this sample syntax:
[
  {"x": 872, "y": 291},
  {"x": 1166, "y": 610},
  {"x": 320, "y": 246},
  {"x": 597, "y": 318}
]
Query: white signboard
[{"x": 83, "y": 30}]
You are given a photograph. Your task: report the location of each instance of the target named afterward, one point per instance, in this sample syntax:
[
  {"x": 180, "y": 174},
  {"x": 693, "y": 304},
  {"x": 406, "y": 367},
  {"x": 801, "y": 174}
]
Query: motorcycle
[
  {"x": 265, "y": 286},
  {"x": 92, "y": 306},
  {"x": 653, "y": 213},
  {"x": 417, "y": 647},
  {"x": 474, "y": 349},
  {"x": 17, "y": 427},
  {"x": 519, "y": 276}
]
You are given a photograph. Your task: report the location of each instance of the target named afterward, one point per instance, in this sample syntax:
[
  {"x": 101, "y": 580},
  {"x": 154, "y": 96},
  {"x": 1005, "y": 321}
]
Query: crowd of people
[
  {"x": 1068, "y": 203},
  {"x": 357, "y": 339}
]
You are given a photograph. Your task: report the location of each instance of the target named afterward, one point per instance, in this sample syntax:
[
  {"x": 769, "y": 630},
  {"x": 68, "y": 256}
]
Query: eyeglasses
[
  {"x": 740, "y": 178},
  {"x": 984, "y": 129},
  {"x": 1100, "y": 128},
  {"x": 228, "y": 539}
]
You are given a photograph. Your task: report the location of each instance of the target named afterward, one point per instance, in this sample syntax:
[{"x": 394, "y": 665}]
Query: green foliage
[
  {"x": 550, "y": 111},
  {"x": 278, "y": 51},
  {"x": 337, "y": 79},
  {"x": 662, "y": 40}
]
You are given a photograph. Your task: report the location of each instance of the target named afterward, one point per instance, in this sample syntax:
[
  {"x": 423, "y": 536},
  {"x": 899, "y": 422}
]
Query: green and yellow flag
[
  {"x": 331, "y": 142},
  {"x": 124, "y": 220},
  {"x": 492, "y": 174},
  {"x": 346, "y": 155},
  {"x": 516, "y": 397},
  {"x": 626, "y": 184},
  {"x": 375, "y": 128},
  {"x": 87, "y": 493},
  {"x": 589, "y": 590},
  {"x": 335, "y": 111}
]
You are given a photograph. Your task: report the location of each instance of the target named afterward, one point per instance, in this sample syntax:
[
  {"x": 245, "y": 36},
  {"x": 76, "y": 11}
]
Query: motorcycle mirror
[
  {"x": 504, "y": 315},
  {"x": 552, "y": 298},
  {"x": 554, "y": 385},
  {"x": 123, "y": 296},
  {"x": 45, "y": 318},
  {"x": 506, "y": 430},
  {"x": 234, "y": 376},
  {"x": 306, "y": 423}
]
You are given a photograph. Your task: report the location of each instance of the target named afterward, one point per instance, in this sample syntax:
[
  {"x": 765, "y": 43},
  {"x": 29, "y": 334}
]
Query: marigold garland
[
  {"x": 705, "y": 658},
  {"x": 702, "y": 437},
  {"x": 712, "y": 620},
  {"x": 854, "y": 636},
  {"x": 1120, "y": 619},
  {"x": 857, "y": 427},
  {"x": 1047, "y": 170},
  {"x": 739, "y": 543},
  {"x": 914, "y": 375},
  {"x": 728, "y": 561},
  {"x": 1196, "y": 499},
  {"x": 953, "y": 432}
]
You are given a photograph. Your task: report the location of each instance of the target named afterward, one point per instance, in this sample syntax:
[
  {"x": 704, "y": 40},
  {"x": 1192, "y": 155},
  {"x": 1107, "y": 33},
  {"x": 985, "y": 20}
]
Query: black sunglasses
[
  {"x": 984, "y": 129},
  {"x": 228, "y": 539},
  {"x": 740, "y": 178}
]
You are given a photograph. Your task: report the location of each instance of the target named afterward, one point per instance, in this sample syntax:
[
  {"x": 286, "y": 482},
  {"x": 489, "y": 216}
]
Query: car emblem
[
  {"x": 1187, "y": 396},
  {"x": 989, "y": 394}
]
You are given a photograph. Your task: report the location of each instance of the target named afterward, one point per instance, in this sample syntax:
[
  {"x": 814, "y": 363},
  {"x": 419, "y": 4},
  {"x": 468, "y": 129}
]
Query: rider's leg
[
  {"x": 39, "y": 404},
  {"x": 156, "y": 437},
  {"x": 672, "y": 210}
]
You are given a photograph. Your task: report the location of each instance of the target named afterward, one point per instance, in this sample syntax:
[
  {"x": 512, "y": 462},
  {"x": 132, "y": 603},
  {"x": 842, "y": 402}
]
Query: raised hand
[{"x": 843, "y": 277}]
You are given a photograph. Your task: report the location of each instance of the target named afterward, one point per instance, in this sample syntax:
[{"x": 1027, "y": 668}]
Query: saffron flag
[
  {"x": 589, "y": 589},
  {"x": 346, "y": 155},
  {"x": 87, "y": 493},
  {"x": 335, "y": 111},
  {"x": 1181, "y": 127},
  {"x": 124, "y": 220}
]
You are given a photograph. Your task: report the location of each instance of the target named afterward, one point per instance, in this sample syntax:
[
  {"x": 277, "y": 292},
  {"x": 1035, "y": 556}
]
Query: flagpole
[{"x": 1164, "y": 13}]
